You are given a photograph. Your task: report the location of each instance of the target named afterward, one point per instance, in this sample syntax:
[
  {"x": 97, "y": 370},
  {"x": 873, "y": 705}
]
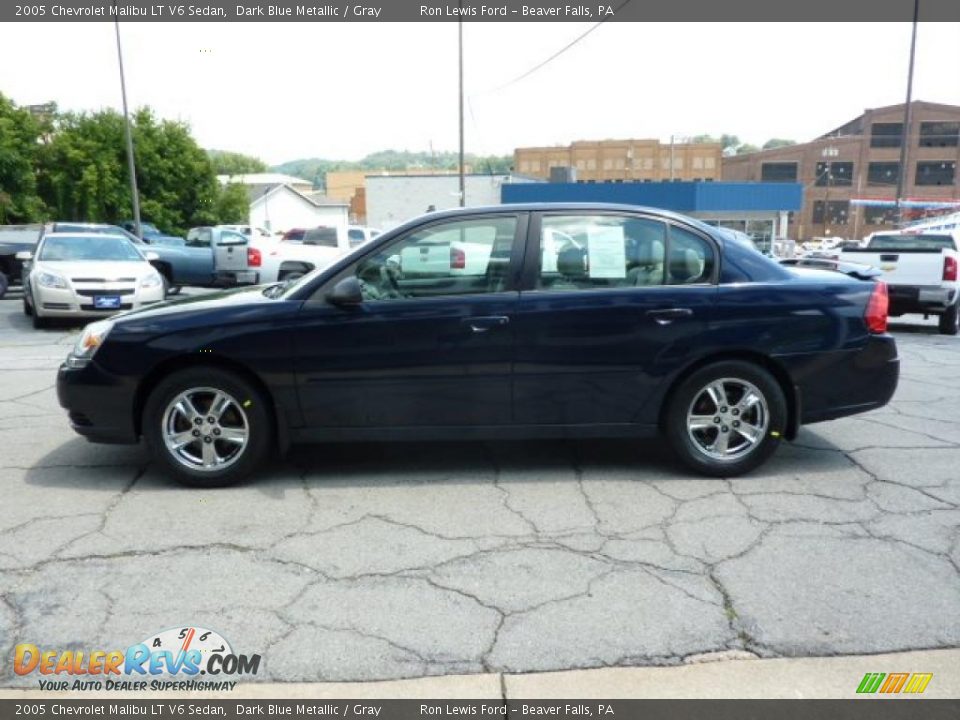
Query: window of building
[
  {"x": 936, "y": 172},
  {"x": 697, "y": 162},
  {"x": 709, "y": 163},
  {"x": 608, "y": 163},
  {"x": 883, "y": 173},
  {"x": 619, "y": 164},
  {"x": 880, "y": 215},
  {"x": 581, "y": 165},
  {"x": 678, "y": 163},
  {"x": 779, "y": 172},
  {"x": 886, "y": 135},
  {"x": 837, "y": 212},
  {"x": 939, "y": 134},
  {"x": 648, "y": 163},
  {"x": 834, "y": 174},
  {"x": 592, "y": 164}
]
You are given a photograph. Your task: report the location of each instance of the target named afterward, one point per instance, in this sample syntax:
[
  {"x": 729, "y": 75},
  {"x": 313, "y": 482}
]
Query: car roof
[{"x": 79, "y": 234}]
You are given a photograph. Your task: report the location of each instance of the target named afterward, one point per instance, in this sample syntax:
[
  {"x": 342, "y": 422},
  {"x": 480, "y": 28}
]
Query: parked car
[
  {"x": 663, "y": 325},
  {"x": 87, "y": 275},
  {"x": 921, "y": 271},
  {"x": 301, "y": 251},
  {"x": 14, "y": 240},
  {"x": 151, "y": 234}
]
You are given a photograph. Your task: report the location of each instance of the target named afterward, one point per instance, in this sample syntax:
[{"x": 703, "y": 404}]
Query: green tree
[
  {"x": 746, "y": 148},
  {"x": 234, "y": 163},
  {"x": 83, "y": 173},
  {"x": 232, "y": 205},
  {"x": 777, "y": 143},
  {"x": 19, "y": 137}
]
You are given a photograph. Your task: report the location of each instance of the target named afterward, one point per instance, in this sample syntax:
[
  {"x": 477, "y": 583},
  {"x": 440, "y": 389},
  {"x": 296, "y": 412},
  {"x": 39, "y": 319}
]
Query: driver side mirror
[{"x": 346, "y": 293}]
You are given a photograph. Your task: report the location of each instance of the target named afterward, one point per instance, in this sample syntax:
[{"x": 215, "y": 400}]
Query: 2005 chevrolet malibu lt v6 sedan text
[{"x": 505, "y": 322}]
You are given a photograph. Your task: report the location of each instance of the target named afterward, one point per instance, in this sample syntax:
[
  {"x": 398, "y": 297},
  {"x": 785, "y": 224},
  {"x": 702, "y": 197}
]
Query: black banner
[
  {"x": 468, "y": 10},
  {"x": 172, "y": 709}
]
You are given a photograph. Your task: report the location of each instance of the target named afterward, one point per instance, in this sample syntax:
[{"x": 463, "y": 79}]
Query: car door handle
[
  {"x": 482, "y": 324},
  {"x": 668, "y": 315}
]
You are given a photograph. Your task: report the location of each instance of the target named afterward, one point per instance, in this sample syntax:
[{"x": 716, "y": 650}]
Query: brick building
[
  {"x": 623, "y": 161},
  {"x": 850, "y": 174}
]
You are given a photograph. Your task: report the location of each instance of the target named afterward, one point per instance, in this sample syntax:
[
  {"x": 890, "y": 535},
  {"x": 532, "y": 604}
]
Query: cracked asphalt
[{"x": 361, "y": 562}]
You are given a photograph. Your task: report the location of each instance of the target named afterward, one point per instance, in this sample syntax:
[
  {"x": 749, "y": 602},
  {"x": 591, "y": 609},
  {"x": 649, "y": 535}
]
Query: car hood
[
  {"x": 236, "y": 300},
  {"x": 95, "y": 269}
]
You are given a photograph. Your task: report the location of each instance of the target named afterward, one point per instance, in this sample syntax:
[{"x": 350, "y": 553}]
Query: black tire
[
  {"x": 693, "y": 447},
  {"x": 39, "y": 323},
  {"x": 949, "y": 323},
  {"x": 259, "y": 424},
  {"x": 166, "y": 285},
  {"x": 27, "y": 310},
  {"x": 4, "y": 285}
]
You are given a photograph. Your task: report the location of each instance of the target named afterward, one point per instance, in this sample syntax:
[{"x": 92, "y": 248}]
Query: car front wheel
[
  {"x": 209, "y": 427},
  {"x": 727, "y": 418}
]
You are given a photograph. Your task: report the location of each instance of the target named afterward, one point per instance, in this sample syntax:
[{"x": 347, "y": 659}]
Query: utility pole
[
  {"x": 463, "y": 189},
  {"x": 671, "y": 158},
  {"x": 905, "y": 135},
  {"x": 134, "y": 194}
]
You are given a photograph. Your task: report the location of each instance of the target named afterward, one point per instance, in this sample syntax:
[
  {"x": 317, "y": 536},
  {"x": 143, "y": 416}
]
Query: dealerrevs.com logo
[{"x": 174, "y": 659}]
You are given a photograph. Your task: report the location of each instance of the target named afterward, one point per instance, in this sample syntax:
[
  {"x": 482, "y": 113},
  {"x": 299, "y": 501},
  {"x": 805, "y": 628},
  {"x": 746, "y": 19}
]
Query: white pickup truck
[{"x": 920, "y": 270}]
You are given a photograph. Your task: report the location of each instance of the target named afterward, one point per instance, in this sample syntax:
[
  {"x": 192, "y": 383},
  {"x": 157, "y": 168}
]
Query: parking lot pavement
[{"x": 358, "y": 562}]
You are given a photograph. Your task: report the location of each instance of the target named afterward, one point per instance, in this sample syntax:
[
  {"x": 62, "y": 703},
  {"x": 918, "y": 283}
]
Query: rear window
[
  {"x": 20, "y": 235},
  {"x": 325, "y": 236},
  {"x": 912, "y": 242}
]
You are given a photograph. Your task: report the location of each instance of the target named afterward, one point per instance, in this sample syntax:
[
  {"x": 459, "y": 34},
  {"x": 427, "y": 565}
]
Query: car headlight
[
  {"x": 49, "y": 280},
  {"x": 92, "y": 337},
  {"x": 150, "y": 281}
]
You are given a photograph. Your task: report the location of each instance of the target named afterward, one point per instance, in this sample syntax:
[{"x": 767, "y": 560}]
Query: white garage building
[
  {"x": 283, "y": 208},
  {"x": 393, "y": 199}
]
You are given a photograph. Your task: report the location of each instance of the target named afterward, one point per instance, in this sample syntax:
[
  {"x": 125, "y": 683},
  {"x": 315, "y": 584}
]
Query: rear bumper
[
  {"x": 920, "y": 298},
  {"x": 100, "y": 406},
  {"x": 845, "y": 383}
]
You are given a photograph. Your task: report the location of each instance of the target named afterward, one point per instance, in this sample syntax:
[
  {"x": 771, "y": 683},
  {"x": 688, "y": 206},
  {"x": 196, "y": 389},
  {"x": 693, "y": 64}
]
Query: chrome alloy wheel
[
  {"x": 728, "y": 419},
  {"x": 205, "y": 429}
]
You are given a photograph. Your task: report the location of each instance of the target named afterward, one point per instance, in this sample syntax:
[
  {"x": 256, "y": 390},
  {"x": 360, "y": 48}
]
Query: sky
[{"x": 283, "y": 91}]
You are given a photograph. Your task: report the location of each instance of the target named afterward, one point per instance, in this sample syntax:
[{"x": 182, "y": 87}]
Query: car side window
[
  {"x": 690, "y": 258},
  {"x": 582, "y": 252},
  {"x": 356, "y": 237},
  {"x": 462, "y": 257}
]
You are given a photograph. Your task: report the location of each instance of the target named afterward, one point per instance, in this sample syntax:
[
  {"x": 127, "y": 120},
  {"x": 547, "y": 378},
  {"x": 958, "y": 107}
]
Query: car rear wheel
[
  {"x": 950, "y": 321},
  {"x": 727, "y": 418},
  {"x": 209, "y": 427}
]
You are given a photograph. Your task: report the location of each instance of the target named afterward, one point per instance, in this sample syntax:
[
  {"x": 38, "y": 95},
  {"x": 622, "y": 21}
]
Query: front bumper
[
  {"x": 99, "y": 405},
  {"x": 72, "y": 302}
]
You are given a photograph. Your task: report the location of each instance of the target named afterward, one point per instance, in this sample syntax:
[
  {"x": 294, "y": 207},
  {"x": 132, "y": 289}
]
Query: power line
[{"x": 557, "y": 54}]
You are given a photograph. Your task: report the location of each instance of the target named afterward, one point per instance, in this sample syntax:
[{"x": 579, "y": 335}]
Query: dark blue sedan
[{"x": 515, "y": 321}]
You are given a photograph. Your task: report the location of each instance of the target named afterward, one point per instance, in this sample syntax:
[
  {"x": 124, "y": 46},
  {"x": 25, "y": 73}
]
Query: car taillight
[
  {"x": 949, "y": 268},
  {"x": 253, "y": 257},
  {"x": 458, "y": 259},
  {"x": 876, "y": 313}
]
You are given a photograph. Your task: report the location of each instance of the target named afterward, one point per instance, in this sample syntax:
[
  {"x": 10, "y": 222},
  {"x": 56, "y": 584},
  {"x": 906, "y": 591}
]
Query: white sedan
[{"x": 87, "y": 275}]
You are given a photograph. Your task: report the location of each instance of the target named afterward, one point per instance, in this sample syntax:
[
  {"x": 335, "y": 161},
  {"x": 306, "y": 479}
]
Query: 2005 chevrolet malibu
[{"x": 510, "y": 322}]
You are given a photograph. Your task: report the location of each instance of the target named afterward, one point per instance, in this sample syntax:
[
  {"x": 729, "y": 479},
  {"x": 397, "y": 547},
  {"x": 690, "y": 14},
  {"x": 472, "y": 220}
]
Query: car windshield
[
  {"x": 70, "y": 249},
  {"x": 912, "y": 242},
  {"x": 99, "y": 230}
]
